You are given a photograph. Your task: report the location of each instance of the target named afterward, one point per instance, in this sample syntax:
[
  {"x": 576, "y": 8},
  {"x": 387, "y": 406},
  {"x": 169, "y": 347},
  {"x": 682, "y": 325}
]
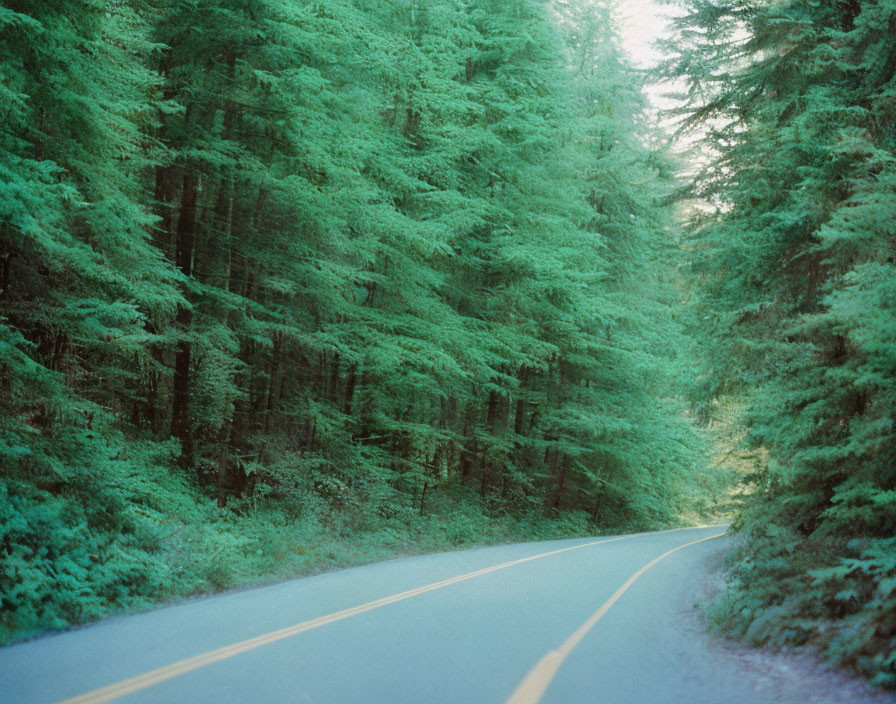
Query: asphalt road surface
[{"x": 596, "y": 620}]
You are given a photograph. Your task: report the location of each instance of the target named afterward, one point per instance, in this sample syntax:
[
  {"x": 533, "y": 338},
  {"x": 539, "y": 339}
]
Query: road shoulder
[{"x": 777, "y": 675}]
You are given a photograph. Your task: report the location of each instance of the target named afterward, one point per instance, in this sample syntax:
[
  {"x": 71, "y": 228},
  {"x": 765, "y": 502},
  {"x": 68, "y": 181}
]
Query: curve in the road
[
  {"x": 531, "y": 689},
  {"x": 148, "y": 679}
]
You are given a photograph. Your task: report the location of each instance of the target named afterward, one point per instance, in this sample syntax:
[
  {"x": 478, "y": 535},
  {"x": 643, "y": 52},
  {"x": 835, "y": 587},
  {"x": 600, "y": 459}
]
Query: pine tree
[
  {"x": 799, "y": 261},
  {"x": 345, "y": 263},
  {"x": 81, "y": 284}
]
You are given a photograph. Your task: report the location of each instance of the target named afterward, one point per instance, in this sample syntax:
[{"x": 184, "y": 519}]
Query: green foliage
[
  {"x": 797, "y": 261},
  {"x": 285, "y": 282}
]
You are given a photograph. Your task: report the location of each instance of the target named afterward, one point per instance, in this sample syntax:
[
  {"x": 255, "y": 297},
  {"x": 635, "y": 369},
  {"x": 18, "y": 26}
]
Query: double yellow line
[
  {"x": 162, "y": 674},
  {"x": 148, "y": 679},
  {"x": 531, "y": 689}
]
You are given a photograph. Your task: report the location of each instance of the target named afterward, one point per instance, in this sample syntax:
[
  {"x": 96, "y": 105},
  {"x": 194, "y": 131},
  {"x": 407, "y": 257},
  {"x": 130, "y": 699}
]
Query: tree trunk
[
  {"x": 469, "y": 447},
  {"x": 423, "y": 499},
  {"x": 186, "y": 235},
  {"x": 350, "y": 382},
  {"x": 520, "y": 414},
  {"x": 561, "y": 482},
  {"x": 550, "y": 459},
  {"x": 334, "y": 378},
  {"x": 274, "y": 382}
]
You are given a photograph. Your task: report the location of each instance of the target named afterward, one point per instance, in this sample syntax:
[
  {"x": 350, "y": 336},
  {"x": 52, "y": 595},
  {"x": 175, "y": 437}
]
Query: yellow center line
[
  {"x": 533, "y": 687},
  {"x": 148, "y": 679}
]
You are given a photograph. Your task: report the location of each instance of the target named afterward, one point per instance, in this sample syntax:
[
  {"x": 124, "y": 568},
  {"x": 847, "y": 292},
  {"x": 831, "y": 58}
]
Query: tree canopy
[
  {"x": 275, "y": 269},
  {"x": 795, "y": 249}
]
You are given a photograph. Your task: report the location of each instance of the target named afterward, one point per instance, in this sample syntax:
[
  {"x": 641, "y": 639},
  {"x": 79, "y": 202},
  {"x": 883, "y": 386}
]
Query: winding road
[{"x": 595, "y": 620}]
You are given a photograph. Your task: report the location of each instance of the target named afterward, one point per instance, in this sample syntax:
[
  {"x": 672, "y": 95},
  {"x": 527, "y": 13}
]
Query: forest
[{"x": 290, "y": 285}]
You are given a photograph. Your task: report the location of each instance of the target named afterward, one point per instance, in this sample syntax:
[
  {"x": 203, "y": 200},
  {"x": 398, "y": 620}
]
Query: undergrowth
[
  {"x": 68, "y": 561},
  {"x": 833, "y": 596}
]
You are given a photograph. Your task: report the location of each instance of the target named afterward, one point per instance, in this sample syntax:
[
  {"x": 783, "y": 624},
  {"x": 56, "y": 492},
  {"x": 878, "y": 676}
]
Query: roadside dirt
[{"x": 788, "y": 677}]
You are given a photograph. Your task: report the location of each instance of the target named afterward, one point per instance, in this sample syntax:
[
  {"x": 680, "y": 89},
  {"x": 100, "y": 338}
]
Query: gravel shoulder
[{"x": 776, "y": 676}]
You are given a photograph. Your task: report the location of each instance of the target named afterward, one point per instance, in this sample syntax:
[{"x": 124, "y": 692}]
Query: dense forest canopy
[
  {"x": 277, "y": 274},
  {"x": 287, "y": 285},
  {"x": 793, "y": 254}
]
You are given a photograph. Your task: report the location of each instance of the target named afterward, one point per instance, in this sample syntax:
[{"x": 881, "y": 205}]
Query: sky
[{"x": 641, "y": 22}]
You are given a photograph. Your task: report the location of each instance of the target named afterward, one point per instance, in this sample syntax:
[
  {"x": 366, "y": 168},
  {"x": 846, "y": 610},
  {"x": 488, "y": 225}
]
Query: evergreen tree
[
  {"x": 340, "y": 265},
  {"x": 81, "y": 284},
  {"x": 798, "y": 257}
]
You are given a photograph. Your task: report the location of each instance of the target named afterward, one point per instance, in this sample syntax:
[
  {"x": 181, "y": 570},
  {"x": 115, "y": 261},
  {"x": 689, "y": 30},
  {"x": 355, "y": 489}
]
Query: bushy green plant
[
  {"x": 795, "y": 253},
  {"x": 394, "y": 276}
]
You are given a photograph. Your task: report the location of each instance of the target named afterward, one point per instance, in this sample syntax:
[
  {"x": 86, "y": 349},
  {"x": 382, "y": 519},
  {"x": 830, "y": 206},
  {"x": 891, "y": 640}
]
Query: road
[{"x": 595, "y": 620}]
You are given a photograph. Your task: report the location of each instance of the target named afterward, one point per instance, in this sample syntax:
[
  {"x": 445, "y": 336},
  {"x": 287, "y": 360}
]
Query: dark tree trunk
[
  {"x": 550, "y": 459},
  {"x": 350, "y": 382},
  {"x": 274, "y": 382},
  {"x": 423, "y": 499},
  {"x": 493, "y": 407},
  {"x": 469, "y": 448},
  {"x": 595, "y": 512},
  {"x": 186, "y": 234},
  {"x": 7, "y": 264},
  {"x": 561, "y": 482},
  {"x": 334, "y": 378},
  {"x": 520, "y": 414}
]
